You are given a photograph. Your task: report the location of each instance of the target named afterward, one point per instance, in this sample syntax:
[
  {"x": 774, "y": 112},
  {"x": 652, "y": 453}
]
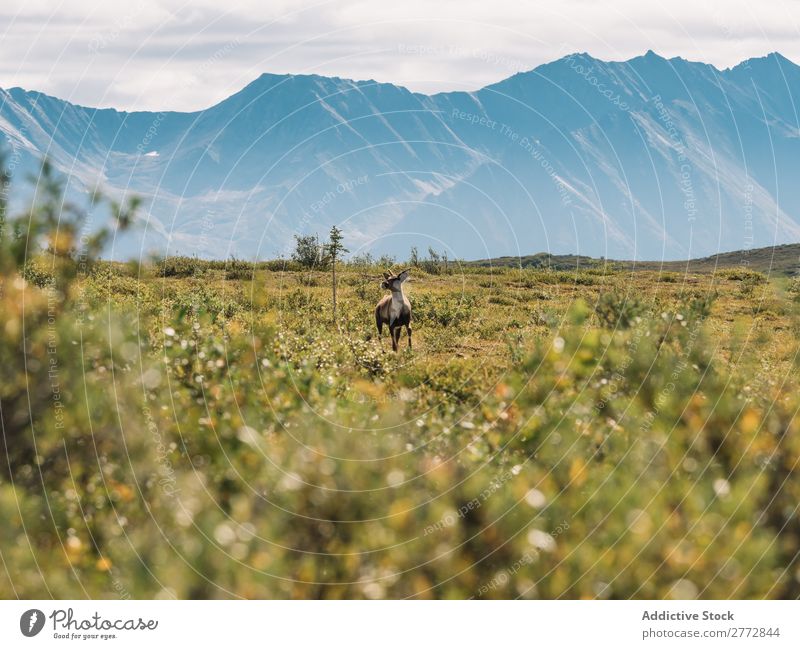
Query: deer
[{"x": 395, "y": 309}]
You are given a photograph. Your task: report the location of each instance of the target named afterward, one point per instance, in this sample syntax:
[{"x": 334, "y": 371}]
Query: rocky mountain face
[{"x": 648, "y": 158}]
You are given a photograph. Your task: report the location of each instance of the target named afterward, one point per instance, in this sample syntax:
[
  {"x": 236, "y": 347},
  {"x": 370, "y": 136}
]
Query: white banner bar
[{"x": 400, "y": 625}]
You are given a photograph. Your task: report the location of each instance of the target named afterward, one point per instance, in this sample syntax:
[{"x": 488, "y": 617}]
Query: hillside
[{"x": 782, "y": 260}]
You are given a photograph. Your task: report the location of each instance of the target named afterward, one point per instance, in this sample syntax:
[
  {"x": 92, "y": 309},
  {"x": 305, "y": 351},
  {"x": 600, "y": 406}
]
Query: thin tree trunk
[{"x": 333, "y": 266}]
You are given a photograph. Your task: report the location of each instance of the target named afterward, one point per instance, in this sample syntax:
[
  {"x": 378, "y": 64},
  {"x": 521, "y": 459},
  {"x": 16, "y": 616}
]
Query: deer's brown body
[{"x": 394, "y": 310}]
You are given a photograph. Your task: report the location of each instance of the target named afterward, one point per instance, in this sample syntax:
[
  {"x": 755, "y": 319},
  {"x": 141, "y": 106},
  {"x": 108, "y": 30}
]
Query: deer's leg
[
  {"x": 408, "y": 331},
  {"x": 379, "y": 324},
  {"x": 395, "y": 332}
]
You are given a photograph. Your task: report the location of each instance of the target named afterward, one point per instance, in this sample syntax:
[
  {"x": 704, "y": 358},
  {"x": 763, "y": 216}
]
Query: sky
[{"x": 172, "y": 55}]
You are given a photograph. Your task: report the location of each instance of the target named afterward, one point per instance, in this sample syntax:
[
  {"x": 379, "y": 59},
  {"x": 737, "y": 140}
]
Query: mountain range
[{"x": 649, "y": 158}]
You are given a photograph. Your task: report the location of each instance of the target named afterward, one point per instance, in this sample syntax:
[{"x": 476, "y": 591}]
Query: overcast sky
[{"x": 165, "y": 54}]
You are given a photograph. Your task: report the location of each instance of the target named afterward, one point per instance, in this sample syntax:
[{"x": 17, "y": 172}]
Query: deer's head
[{"x": 394, "y": 282}]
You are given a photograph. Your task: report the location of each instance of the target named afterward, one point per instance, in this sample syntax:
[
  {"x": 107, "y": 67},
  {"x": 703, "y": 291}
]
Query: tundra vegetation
[{"x": 180, "y": 428}]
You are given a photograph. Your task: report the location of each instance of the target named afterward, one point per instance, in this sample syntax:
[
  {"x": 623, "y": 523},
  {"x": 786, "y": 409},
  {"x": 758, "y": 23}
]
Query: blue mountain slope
[{"x": 647, "y": 158}]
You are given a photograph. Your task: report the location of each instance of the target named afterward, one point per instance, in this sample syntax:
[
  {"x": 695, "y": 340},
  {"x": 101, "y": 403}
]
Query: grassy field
[{"x": 196, "y": 430}]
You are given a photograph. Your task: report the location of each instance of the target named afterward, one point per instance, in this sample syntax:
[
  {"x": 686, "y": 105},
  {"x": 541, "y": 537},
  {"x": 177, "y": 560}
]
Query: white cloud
[{"x": 157, "y": 54}]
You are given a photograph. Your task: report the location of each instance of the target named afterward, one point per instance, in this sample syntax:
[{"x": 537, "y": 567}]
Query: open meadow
[{"x": 205, "y": 429}]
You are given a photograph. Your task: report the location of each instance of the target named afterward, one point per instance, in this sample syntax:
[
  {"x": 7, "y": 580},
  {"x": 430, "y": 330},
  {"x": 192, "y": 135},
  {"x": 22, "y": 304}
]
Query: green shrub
[
  {"x": 443, "y": 311},
  {"x": 742, "y": 274},
  {"x": 700, "y": 307},
  {"x": 617, "y": 310},
  {"x": 236, "y": 269},
  {"x": 793, "y": 289},
  {"x": 35, "y": 273},
  {"x": 299, "y": 299},
  {"x": 179, "y": 267},
  {"x": 502, "y": 300},
  {"x": 308, "y": 279}
]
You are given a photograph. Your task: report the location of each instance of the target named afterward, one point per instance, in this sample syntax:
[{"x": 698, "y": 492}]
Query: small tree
[
  {"x": 385, "y": 261},
  {"x": 306, "y": 250},
  {"x": 432, "y": 264},
  {"x": 335, "y": 248}
]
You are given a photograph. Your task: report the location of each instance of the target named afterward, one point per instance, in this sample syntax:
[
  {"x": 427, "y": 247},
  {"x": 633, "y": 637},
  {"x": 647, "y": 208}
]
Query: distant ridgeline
[
  {"x": 649, "y": 158},
  {"x": 783, "y": 260}
]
